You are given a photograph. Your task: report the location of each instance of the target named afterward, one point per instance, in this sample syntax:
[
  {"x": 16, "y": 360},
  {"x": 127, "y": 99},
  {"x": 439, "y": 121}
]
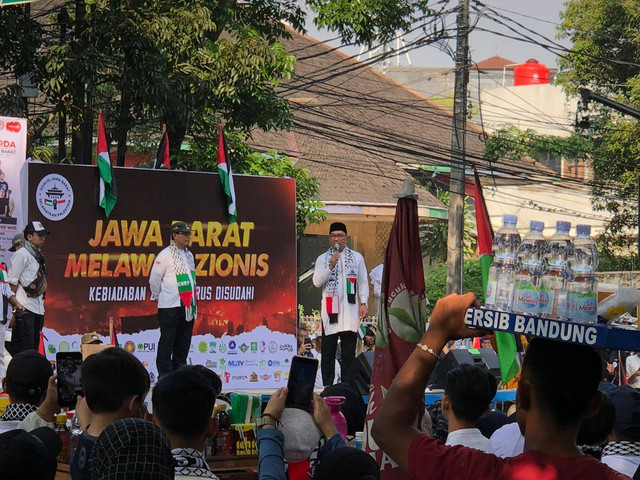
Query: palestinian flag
[
  {"x": 3, "y": 274},
  {"x": 226, "y": 178},
  {"x": 351, "y": 289},
  {"x": 108, "y": 190},
  {"x": 505, "y": 342},
  {"x": 162, "y": 156}
]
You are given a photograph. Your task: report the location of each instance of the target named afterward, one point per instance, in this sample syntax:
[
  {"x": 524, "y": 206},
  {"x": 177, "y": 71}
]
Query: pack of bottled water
[{"x": 554, "y": 279}]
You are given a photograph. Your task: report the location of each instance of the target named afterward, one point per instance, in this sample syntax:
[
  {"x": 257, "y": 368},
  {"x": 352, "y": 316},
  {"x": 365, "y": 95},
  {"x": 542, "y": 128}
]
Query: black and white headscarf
[
  {"x": 132, "y": 448},
  {"x": 350, "y": 264},
  {"x": 17, "y": 411},
  {"x": 624, "y": 448},
  {"x": 191, "y": 462}
]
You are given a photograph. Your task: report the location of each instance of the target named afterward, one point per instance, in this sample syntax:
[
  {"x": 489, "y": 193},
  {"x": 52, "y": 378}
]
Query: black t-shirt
[{"x": 80, "y": 468}]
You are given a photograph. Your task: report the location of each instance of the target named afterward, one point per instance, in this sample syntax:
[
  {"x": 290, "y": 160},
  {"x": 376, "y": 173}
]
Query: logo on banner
[
  {"x": 273, "y": 347},
  {"x": 13, "y": 127},
  {"x": 54, "y": 197}
]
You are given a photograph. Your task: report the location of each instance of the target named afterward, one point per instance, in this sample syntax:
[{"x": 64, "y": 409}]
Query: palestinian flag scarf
[{"x": 186, "y": 284}]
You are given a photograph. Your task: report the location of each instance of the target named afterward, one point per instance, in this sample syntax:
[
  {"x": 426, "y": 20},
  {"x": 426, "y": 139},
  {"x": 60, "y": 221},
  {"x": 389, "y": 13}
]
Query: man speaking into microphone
[{"x": 342, "y": 275}]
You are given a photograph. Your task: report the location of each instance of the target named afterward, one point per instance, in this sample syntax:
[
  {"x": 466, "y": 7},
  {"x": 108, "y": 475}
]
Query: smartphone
[
  {"x": 68, "y": 367},
  {"x": 302, "y": 378},
  {"x": 307, "y": 341}
]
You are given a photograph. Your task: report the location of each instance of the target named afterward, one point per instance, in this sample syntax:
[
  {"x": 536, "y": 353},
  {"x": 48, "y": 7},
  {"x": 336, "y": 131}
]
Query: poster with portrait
[
  {"x": 98, "y": 267},
  {"x": 13, "y": 150}
]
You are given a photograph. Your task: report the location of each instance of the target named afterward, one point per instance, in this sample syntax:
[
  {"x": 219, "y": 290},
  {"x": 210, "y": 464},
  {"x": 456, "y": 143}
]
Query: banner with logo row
[
  {"x": 255, "y": 360},
  {"x": 98, "y": 267}
]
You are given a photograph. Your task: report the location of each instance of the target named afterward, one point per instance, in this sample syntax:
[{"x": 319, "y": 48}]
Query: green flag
[
  {"x": 108, "y": 191},
  {"x": 506, "y": 342}
]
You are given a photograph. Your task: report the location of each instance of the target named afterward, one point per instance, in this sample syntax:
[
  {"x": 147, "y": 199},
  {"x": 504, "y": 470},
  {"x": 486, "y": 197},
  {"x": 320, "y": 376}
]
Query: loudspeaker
[
  {"x": 359, "y": 373},
  {"x": 484, "y": 358}
]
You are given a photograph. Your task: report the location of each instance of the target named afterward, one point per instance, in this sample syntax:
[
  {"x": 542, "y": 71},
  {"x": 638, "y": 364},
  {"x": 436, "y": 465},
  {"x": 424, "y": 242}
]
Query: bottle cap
[
  {"x": 563, "y": 227},
  {"x": 536, "y": 226},
  {"x": 583, "y": 230},
  {"x": 510, "y": 220}
]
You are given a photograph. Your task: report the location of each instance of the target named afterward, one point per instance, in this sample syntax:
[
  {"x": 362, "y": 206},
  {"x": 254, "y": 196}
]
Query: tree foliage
[
  {"x": 190, "y": 66},
  {"x": 433, "y": 235},
  {"x": 436, "y": 281},
  {"x": 605, "y": 57},
  {"x": 364, "y": 21},
  {"x": 203, "y": 154},
  {"x": 514, "y": 144}
]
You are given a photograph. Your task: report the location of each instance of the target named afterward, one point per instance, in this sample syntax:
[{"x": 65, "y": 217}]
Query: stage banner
[
  {"x": 98, "y": 267},
  {"x": 13, "y": 151}
]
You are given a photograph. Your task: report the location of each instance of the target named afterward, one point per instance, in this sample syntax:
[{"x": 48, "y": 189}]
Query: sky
[{"x": 540, "y": 16}]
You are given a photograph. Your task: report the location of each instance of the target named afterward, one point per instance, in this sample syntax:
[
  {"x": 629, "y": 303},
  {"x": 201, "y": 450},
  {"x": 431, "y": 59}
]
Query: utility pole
[{"x": 458, "y": 153}]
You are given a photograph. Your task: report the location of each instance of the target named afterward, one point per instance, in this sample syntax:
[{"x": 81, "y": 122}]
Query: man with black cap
[
  {"x": 173, "y": 284},
  {"x": 27, "y": 276},
  {"x": 622, "y": 453},
  {"x": 29, "y": 455},
  {"x": 342, "y": 275},
  {"x": 26, "y": 383}
]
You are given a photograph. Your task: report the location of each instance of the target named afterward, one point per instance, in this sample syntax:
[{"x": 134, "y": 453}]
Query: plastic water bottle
[
  {"x": 503, "y": 269},
  {"x": 552, "y": 299},
  {"x": 76, "y": 431},
  {"x": 531, "y": 263},
  {"x": 583, "y": 287}
]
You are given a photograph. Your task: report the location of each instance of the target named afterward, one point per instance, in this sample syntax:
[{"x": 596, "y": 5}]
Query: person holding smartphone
[{"x": 342, "y": 275}]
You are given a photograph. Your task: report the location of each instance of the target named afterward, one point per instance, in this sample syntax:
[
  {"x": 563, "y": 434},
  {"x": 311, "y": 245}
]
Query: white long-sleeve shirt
[
  {"x": 349, "y": 313},
  {"x": 22, "y": 271},
  {"x": 162, "y": 279},
  {"x": 631, "y": 366}
]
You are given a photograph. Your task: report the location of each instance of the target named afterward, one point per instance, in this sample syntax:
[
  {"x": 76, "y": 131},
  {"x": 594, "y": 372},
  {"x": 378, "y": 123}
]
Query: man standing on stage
[
  {"x": 27, "y": 276},
  {"x": 173, "y": 284},
  {"x": 342, "y": 274}
]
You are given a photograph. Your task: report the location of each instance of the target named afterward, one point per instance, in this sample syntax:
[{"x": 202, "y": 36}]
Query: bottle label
[
  {"x": 490, "y": 295},
  {"x": 526, "y": 298},
  {"x": 584, "y": 307},
  {"x": 546, "y": 299}
]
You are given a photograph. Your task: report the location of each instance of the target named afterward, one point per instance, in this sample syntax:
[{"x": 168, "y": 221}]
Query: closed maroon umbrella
[{"x": 401, "y": 313}]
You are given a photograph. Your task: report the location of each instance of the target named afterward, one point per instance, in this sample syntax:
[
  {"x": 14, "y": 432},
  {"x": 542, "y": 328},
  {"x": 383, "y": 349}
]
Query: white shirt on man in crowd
[
  {"x": 506, "y": 442},
  {"x": 632, "y": 365},
  {"x": 467, "y": 437}
]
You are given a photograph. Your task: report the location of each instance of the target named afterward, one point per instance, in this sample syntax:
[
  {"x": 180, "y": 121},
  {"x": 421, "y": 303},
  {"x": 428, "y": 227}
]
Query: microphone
[{"x": 336, "y": 247}]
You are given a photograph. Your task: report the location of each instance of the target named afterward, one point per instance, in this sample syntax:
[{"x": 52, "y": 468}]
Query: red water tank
[{"x": 530, "y": 73}]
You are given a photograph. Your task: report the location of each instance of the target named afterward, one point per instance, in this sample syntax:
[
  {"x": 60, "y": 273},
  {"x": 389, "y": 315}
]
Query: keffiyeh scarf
[
  {"x": 622, "y": 448},
  {"x": 191, "y": 462},
  {"x": 186, "y": 284},
  {"x": 351, "y": 276},
  {"x": 17, "y": 411}
]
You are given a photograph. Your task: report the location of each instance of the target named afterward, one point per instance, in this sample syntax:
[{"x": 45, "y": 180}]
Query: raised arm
[{"x": 394, "y": 426}]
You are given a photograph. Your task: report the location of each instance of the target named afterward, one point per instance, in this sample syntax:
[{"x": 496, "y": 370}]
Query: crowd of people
[{"x": 568, "y": 423}]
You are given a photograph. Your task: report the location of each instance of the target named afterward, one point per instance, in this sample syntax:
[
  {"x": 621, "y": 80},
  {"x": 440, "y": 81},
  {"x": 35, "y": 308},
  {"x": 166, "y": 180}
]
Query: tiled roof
[
  {"x": 355, "y": 129},
  {"x": 495, "y": 63}
]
